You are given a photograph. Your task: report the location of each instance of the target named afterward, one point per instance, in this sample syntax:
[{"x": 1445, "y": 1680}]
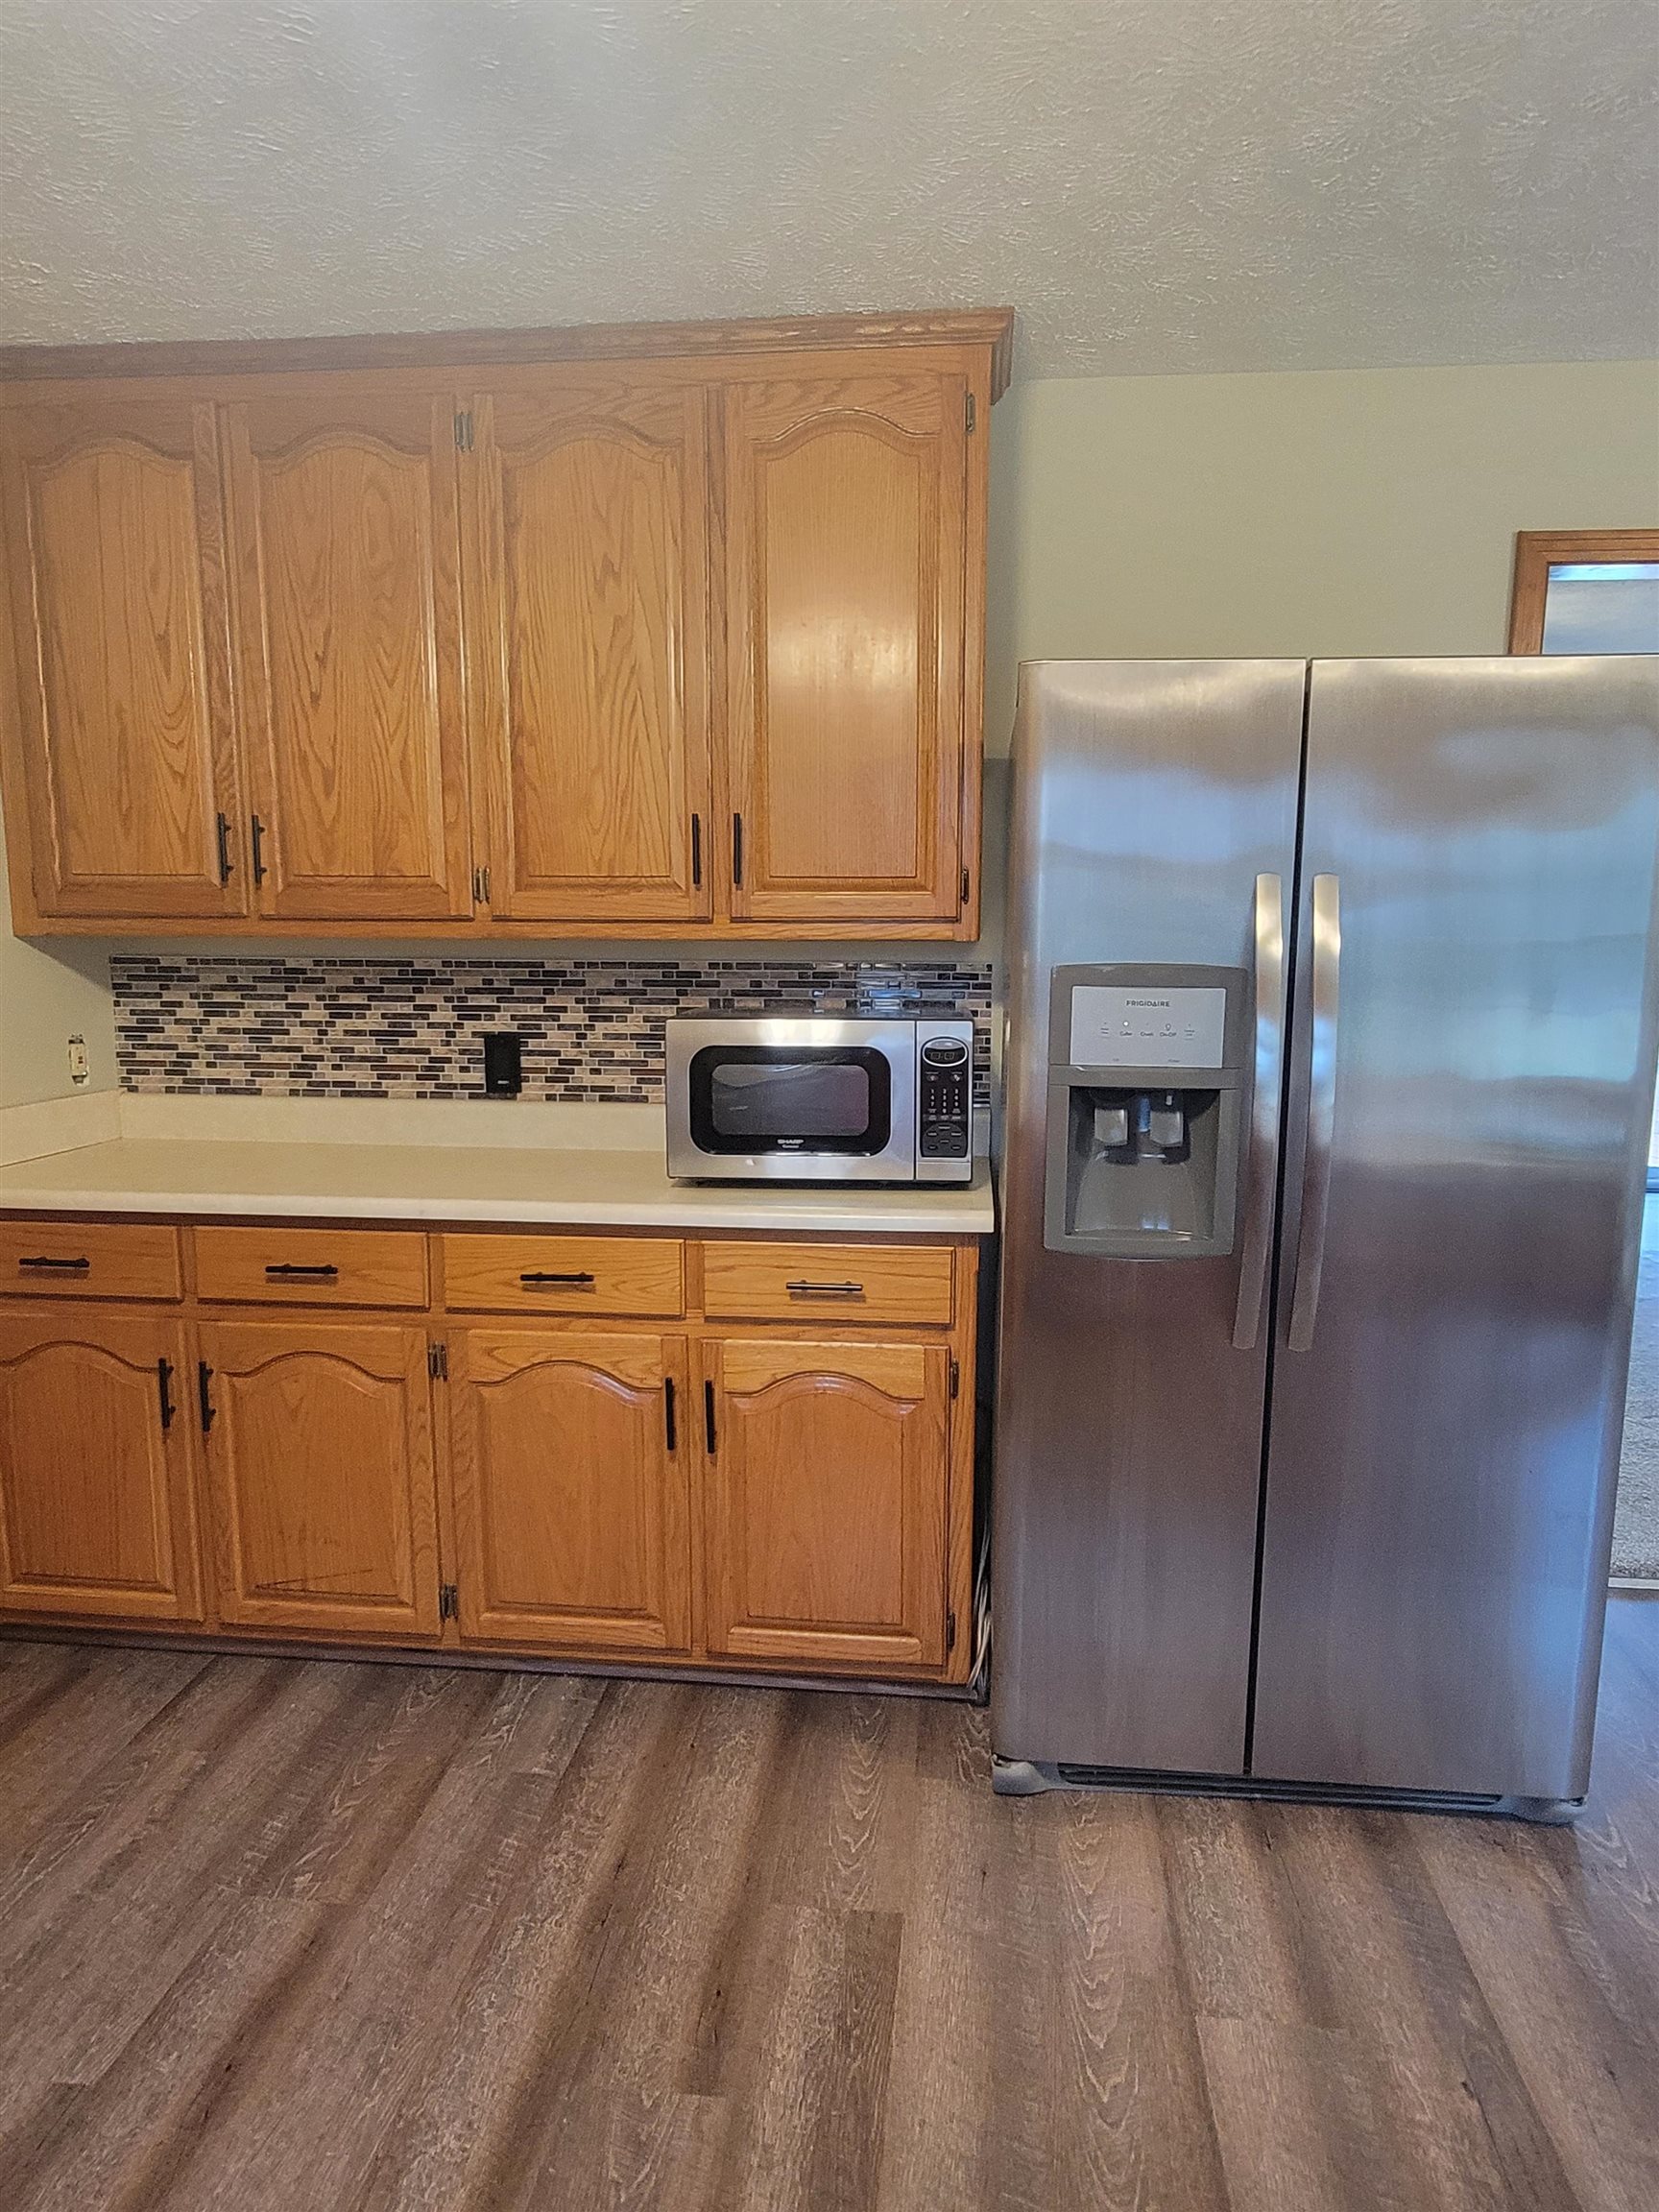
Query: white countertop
[{"x": 622, "y": 1187}]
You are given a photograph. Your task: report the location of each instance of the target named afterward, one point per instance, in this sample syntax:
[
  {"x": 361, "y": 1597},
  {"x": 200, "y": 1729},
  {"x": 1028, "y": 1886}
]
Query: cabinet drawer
[
  {"x": 90, "y": 1260},
  {"x": 279, "y": 1267},
  {"x": 853, "y": 1282},
  {"x": 565, "y": 1275}
]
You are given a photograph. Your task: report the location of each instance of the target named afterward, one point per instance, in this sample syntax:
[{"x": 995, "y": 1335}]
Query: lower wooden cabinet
[
  {"x": 569, "y": 1457},
  {"x": 96, "y": 1512},
  {"x": 318, "y": 1439},
  {"x": 827, "y": 1480},
  {"x": 698, "y": 1482}
]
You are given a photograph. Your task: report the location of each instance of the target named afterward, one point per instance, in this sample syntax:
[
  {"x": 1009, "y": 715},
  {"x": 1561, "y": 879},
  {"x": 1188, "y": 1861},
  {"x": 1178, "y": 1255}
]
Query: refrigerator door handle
[
  {"x": 1321, "y": 1112},
  {"x": 1267, "y": 1082}
]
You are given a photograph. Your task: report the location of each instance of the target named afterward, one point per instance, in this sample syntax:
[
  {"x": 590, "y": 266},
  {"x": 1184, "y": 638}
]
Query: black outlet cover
[{"x": 503, "y": 1064}]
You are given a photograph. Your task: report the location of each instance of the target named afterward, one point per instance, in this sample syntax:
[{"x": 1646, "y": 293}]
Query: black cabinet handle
[
  {"x": 223, "y": 832},
  {"x": 67, "y": 1266},
  {"x": 804, "y": 1289},
  {"x": 668, "y": 1411},
  {"x": 708, "y": 1417},
  {"x": 258, "y": 850},
  {"x": 531, "y": 1280},
  {"x": 164, "y": 1391},
  {"x": 282, "y": 1269},
  {"x": 737, "y": 848},
  {"x": 204, "y": 1395},
  {"x": 696, "y": 851}
]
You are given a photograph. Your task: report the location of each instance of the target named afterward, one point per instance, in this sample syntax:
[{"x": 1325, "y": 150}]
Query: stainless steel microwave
[{"x": 811, "y": 1099}]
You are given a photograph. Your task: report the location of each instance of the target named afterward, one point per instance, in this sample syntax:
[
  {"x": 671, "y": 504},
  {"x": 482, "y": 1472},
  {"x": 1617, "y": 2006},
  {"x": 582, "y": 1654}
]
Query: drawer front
[
  {"x": 643, "y": 1275},
  {"x": 278, "y": 1266},
  {"x": 90, "y": 1260},
  {"x": 853, "y": 1282}
]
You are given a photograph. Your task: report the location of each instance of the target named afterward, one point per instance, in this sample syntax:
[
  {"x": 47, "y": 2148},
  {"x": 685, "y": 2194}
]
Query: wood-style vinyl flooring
[{"x": 285, "y": 1935}]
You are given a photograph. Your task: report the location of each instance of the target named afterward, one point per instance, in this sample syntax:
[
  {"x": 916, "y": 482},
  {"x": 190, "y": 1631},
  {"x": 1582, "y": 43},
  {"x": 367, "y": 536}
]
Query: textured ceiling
[{"x": 1156, "y": 184}]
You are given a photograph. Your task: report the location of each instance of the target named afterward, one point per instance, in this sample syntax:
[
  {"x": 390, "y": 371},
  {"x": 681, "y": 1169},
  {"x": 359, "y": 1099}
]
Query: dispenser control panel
[
  {"x": 1119, "y": 1026},
  {"x": 945, "y": 1098}
]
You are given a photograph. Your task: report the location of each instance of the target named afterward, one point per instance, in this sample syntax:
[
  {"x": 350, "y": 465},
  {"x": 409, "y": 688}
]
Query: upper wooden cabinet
[
  {"x": 670, "y": 630},
  {"x": 588, "y": 611},
  {"x": 846, "y": 586},
  {"x": 124, "y": 799},
  {"x": 346, "y": 590}
]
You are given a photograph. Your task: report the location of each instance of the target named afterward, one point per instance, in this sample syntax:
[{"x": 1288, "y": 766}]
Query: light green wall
[
  {"x": 1341, "y": 512},
  {"x": 44, "y": 995}
]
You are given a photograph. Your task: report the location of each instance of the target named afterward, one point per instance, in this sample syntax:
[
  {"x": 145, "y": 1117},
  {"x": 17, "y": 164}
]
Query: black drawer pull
[
  {"x": 223, "y": 833},
  {"x": 282, "y": 1269},
  {"x": 581, "y": 1276},
  {"x": 260, "y": 871},
  {"x": 696, "y": 852},
  {"x": 804, "y": 1289},
  {"x": 68, "y": 1266},
  {"x": 165, "y": 1390},
  {"x": 669, "y": 1412},
  {"x": 738, "y": 849},
  {"x": 204, "y": 1395},
  {"x": 708, "y": 1417}
]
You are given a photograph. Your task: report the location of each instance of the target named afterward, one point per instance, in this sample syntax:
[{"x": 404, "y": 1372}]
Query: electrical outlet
[
  {"x": 503, "y": 1064},
  {"x": 79, "y": 1065}
]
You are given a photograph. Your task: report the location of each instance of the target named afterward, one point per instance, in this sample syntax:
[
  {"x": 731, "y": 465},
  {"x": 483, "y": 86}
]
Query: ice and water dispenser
[{"x": 1147, "y": 1083}]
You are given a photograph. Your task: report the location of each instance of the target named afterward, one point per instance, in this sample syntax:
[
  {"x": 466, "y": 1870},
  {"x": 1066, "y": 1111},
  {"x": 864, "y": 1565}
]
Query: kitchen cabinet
[
  {"x": 587, "y": 614},
  {"x": 569, "y": 1457},
  {"x": 117, "y": 734},
  {"x": 729, "y": 1450},
  {"x": 318, "y": 1437},
  {"x": 347, "y": 604},
  {"x": 670, "y": 629},
  {"x": 827, "y": 1478},
  {"x": 846, "y": 576},
  {"x": 97, "y": 1515}
]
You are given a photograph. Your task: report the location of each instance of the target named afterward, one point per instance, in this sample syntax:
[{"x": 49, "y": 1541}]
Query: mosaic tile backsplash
[{"x": 592, "y": 1029}]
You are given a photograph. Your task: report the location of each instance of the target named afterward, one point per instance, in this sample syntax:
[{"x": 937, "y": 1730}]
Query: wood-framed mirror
[{"x": 1585, "y": 591}]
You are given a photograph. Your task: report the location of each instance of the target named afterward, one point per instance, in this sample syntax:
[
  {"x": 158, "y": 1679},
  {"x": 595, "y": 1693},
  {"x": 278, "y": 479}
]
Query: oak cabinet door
[
  {"x": 826, "y": 1485},
  {"x": 120, "y": 659},
  {"x": 845, "y": 509},
  {"x": 96, "y": 1511},
  {"x": 318, "y": 1446},
  {"x": 569, "y": 1454},
  {"x": 346, "y": 603},
  {"x": 587, "y": 605}
]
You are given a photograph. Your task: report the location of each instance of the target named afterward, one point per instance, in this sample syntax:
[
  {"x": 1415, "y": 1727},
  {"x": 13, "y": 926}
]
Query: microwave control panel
[{"x": 945, "y": 1118}]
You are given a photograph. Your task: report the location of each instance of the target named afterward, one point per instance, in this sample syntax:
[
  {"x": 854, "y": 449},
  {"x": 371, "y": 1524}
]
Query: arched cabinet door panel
[
  {"x": 96, "y": 1512},
  {"x": 123, "y": 742},
  {"x": 845, "y": 584},
  {"x": 569, "y": 1457},
  {"x": 827, "y": 1479},
  {"x": 346, "y": 599},
  {"x": 319, "y": 1449},
  {"x": 588, "y": 620}
]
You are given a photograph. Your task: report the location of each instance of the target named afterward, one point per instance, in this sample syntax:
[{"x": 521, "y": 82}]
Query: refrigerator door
[
  {"x": 1473, "y": 1030},
  {"x": 1154, "y": 821}
]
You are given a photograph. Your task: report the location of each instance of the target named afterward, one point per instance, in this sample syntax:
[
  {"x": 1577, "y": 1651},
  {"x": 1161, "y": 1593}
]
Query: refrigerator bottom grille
[{"x": 1023, "y": 1778}]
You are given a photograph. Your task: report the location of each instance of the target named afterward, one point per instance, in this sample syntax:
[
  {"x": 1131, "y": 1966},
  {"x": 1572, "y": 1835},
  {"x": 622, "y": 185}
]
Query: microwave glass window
[
  {"x": 766, "y": 1098},
  {"x": 791, "y": 1098}
]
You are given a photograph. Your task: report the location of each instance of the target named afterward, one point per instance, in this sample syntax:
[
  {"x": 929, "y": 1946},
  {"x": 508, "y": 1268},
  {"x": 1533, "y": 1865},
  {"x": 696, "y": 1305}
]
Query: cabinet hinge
[
  {"x": 480, "y": 886},
  {"x": 973, "y": 414},
  {"x": 438, "y": 1362},
  {"x": 967, "y": 885},
  {"x": 956, "y": 1378},
  {"x": 464, "y": 432},
  {"x": 949, "y": 1631},
  {"x": 448, "y": 1601}
]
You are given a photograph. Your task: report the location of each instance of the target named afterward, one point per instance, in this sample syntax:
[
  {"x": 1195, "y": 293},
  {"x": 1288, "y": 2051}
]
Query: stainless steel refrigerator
[{"x": 1333, "y": 1008}]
